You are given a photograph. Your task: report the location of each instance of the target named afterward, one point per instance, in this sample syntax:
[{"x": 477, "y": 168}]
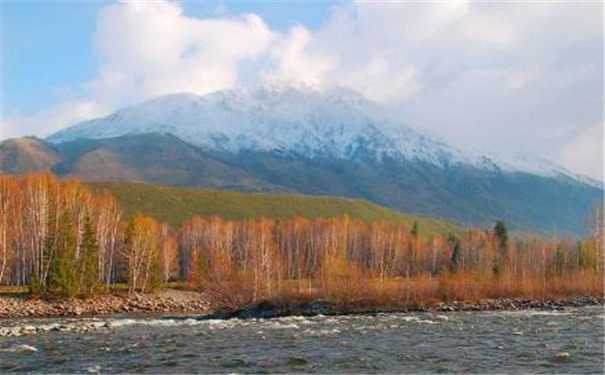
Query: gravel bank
[{"x": 162, "y": 301}]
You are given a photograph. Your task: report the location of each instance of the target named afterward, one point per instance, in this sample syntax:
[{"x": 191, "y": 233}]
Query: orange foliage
[{"x": 340, "y": 258}]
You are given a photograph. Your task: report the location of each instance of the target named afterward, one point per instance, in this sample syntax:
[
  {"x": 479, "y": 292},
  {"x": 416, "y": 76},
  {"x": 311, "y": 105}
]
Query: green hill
[{"x": 173, "y": 204}]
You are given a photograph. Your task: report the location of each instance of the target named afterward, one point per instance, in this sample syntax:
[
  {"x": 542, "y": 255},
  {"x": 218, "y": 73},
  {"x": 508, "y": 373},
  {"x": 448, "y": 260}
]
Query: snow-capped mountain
[
  {"x": 309, "y": 121},
  {"x": 320, "y": 141},
  {"x": 313, "y": 122}
]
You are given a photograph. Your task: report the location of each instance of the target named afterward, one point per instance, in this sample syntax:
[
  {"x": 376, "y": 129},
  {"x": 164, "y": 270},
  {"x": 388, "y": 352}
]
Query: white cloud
[
  {"x": 151, "y": 48},
  {"x": 291, "y": 62},
  {"x": 51, "y": 119},
  {"x": 584, "y": 153},
  {"x": 502, "y": 77},
  {"x": 146, "y": 49}
]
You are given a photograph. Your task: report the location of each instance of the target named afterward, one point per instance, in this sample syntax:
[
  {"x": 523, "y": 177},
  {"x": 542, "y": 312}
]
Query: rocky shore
[
  {"x": 194, "y": 303},
  {"x": 163, "y": 301},
  {"x": 271, "y": 309}
]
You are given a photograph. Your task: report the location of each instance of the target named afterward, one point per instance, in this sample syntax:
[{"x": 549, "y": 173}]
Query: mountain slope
[
  {"x": 335, "y": 123},
  {"x": 27, "y": 154},
  {"x": 463, "y": 193},
  {"x": 314, "y": 123},
  {"x": 326, "y": 142},
  {"x": 155, "y": 158},
  {"x": 174, "y": 205}
]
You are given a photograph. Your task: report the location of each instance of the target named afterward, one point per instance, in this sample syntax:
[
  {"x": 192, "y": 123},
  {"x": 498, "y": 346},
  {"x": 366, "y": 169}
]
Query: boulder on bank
[{"x": 270, "y": 309}]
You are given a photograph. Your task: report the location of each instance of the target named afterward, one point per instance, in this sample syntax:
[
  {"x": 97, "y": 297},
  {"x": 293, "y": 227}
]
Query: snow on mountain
[
  {"x": 307, "y": 121},
  {"x": 314, "y": 122},
  {"x": 543, "y": 167}
]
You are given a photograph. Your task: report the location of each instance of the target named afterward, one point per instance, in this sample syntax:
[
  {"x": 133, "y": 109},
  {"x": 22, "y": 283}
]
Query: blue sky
[
  {"x": 503, "y": 78},
  {"x": 47, "y": 46}
]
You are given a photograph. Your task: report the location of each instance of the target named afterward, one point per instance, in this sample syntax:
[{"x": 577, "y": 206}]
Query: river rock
[
  {"x": 25, "y": 348},
  {"x": 28, "y": 329},
  {"x": 98, "y": 325},
  {"x": 562, "y": 357}
]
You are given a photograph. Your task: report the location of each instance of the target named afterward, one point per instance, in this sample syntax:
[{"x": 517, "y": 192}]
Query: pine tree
[
  {"x": 455, "y": 259},
  {"x": 89, "y": 261},
  {"x": 501, "y": 234},
  {"x": 414, "y": 232},
  {"x": 413, "y": 249},
  {"x": 62, "y": 278}
]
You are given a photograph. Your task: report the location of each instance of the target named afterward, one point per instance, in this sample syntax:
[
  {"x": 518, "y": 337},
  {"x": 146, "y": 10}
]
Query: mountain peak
[{"x": 306, "y": 120}]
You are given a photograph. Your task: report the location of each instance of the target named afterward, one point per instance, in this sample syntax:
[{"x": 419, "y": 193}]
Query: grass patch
[{"x": 175, "y": 204}]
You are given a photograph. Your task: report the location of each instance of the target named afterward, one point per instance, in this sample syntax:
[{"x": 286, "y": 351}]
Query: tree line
[{"x": 61, "y": 238}]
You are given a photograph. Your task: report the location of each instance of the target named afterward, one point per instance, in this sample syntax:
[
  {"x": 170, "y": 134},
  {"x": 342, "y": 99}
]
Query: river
[{"x": 569, "y": 341}]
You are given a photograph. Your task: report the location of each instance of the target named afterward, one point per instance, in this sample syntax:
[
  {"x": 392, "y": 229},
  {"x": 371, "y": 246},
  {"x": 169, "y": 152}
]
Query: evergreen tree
[
  {"x": 414, "y": 231},
  {"x": 63, "y": 277},
  {"x": 413, "y": 249},
  {"x": 455, "y": 258},
  {"x": 501, "y": 232},
  {"x": 89, "y": 260}
]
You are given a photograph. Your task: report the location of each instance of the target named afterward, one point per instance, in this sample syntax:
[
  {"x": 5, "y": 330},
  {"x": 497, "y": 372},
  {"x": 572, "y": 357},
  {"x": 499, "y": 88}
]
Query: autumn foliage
[
  {"x": 56, "y": 236},
  {"x": 59, "y": 237},
  {"x": 350, "y": 262}
]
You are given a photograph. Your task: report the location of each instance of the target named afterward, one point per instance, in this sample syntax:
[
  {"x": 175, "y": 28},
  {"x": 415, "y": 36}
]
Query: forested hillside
[{"x": 174, "y": 205}]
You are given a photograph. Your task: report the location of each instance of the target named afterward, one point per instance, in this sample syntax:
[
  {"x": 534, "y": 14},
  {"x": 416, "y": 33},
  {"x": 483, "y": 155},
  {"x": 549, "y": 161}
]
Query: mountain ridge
[
  {"x": 312, "y": 122},
  {"x": 319, "y": 142}
]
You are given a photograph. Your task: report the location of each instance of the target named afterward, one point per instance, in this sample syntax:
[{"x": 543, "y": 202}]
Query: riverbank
[
  {"x": 276, "y": 309},
  {"x": 194, "y": 303},
  {"x": 161, "y": 301}
]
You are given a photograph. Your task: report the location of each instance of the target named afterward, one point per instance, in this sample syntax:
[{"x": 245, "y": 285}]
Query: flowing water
[{"x": 569, "y": 341}]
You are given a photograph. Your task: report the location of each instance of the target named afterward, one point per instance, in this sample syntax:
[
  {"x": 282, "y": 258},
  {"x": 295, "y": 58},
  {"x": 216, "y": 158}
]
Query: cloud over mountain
[{"x": 508, "y": 77}]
